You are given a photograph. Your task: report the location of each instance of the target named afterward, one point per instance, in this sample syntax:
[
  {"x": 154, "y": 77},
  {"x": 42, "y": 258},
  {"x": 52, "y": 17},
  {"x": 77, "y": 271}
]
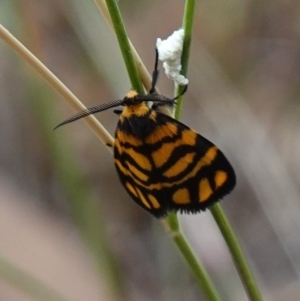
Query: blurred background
[{"x": 64, "y": 217}]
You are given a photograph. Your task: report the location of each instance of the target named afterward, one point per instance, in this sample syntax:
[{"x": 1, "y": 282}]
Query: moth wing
[
  {"x": 134, "y": 166},
  {"x": 190, "y": 172},
  {"x": 172, "y": 169}
]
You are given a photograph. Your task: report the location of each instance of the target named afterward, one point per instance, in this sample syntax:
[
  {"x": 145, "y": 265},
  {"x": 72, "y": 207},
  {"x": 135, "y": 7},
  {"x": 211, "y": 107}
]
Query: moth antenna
[
  {"x": 154, "y": 73},
  {"x": 90, "y": 111}
]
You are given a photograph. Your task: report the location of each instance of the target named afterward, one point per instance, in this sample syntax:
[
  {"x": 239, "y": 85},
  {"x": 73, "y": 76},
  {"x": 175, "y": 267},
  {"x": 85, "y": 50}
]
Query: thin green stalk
[
  {"x": 195, "y": 265},
  {"x": 143, "y": 72},
  {"x": 180, "y": 241},
  {"x": 198, "y": 270},
  {"x": 219, "y": 215},
  {"x": 84, "y": 210},
  {"x": 26, "y": 283},
  {"x": 144, "y": 75},
  {"x": 236, "y": 253},
  {"x": 187, "y": 25},
  {"x": 124, "y": 45}
]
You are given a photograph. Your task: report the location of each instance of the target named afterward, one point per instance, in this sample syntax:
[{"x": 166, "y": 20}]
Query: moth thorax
[{"x": 139, "y": 109}]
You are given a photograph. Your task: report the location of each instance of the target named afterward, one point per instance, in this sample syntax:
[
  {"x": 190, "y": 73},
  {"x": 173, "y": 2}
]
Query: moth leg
[{"x": 182, "y": 92}]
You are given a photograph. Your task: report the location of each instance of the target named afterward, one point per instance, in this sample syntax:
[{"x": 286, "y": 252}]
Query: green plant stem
[
  {"x": 26, "y": 283},
  {"x": 187, "y": 25},
  {"x": 236, "y": 253},
  {"x": 124, "y": 45},
  {"x": 186, "y": 251},
  {"x": 218, "y": 214},
  {"x": 84, "y": 209},
  {"x": 193, "y": 262},
  {"x": 143, "y": 72},
  {"x": 198, "y": 270}
]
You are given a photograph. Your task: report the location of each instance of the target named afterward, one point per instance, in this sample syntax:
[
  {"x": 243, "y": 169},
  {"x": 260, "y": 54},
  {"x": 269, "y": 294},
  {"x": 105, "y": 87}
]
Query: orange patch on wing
[
  {"x": 143, "y": 199},
  {"x": 205, "y": 190},
  {"x": 140, "y": 159},
  {"x": 209, "y": 156},
  {"x": 220, "y": 178},
  {"x": 189, "y": 137},
  {"x": 180, "y": 165},
  {"x": 121, "y": 167},
  {"x": 166, "y": 130},
  {"x": 140, "y": 175},
  {"x": 181, "y": 196},
  {"x": 131, "y": 189},
  {"x": 161, "y": 156},
  {"x": 118, "y": 146},
  {"x": 124, "y": 137},
  {"x": 154, "y": 201}
]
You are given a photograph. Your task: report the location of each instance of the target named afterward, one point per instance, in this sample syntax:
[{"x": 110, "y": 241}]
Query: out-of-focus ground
[
  {"x": 243, "y": 95},
  {"x": 47, "y": 247}
]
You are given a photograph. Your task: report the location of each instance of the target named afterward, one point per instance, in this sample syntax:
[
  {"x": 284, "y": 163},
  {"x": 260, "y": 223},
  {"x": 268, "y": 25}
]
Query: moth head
[{"x": 132, "y": 98}]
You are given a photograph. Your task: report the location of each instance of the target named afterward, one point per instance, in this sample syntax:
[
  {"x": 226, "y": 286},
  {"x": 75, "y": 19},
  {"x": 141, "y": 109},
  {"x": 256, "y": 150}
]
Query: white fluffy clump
[{"x": 169, "y": 52}]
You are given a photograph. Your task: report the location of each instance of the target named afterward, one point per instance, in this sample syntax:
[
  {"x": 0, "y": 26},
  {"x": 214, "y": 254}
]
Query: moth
[{"x": 163, "y": 164}]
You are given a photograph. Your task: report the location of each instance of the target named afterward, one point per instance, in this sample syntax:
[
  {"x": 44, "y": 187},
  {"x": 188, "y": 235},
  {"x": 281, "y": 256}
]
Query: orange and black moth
[{"x": 163, "y": 164}]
